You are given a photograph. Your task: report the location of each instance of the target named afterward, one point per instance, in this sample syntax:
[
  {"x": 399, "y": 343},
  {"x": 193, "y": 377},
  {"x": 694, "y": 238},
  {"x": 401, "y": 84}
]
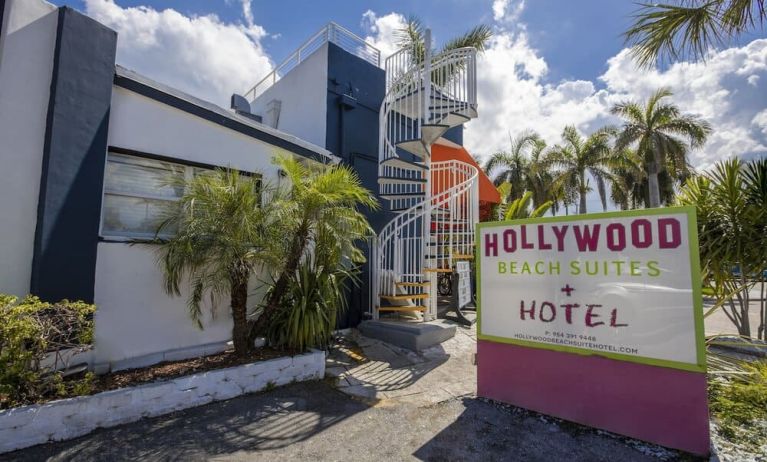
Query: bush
[
  {"x": 29, "y": 331},
  {"x": 309, "y": 311},
  {"x": 739, "y": 405}
]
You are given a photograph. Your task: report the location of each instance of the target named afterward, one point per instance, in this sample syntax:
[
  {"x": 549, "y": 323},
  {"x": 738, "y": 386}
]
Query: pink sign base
[{"x": 656, "y": 404}]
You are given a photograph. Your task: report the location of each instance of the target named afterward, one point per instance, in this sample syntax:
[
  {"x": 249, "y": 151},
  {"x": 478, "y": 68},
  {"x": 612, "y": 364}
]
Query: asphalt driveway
[{"x": 315, "y": 422}]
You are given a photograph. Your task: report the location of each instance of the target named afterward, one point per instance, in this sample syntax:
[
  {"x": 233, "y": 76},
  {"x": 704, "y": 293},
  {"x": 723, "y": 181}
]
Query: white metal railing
[
  {"x": 332, "y": 33},
  {"x": 403, "y": 252}
]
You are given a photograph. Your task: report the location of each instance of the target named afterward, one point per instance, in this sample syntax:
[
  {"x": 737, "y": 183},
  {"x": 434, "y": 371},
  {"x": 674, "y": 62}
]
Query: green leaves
[
  {"x": 732, "y": 230},
  {"x": 688, "y": 29}
]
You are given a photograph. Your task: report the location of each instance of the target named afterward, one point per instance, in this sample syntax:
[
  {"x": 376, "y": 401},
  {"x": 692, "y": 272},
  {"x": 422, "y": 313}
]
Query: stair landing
[{"x": 416, "y": 336}]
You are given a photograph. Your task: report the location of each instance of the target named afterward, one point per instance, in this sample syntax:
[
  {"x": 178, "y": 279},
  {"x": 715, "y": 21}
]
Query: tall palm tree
[
  {"x": 656, "y": 129},
  {"x": 689, "y": 28},
  {"x": 578, "y": 157},
  {"x": 519, "y": 165},
  {"x": 626, "y": 189}
]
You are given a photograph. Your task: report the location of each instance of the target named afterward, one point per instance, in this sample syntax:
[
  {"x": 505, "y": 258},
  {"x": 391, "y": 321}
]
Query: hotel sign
[{"x": 624, "y": 285}]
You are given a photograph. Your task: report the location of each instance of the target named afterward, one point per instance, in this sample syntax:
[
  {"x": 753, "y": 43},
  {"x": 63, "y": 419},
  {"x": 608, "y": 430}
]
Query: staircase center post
[{"x": 431, "y": 301}]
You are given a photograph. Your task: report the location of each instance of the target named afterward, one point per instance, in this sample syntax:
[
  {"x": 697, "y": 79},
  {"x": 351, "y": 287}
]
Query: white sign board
[
  {"x": 463, "y": 271},
  {"x": 624, "y": 285}
]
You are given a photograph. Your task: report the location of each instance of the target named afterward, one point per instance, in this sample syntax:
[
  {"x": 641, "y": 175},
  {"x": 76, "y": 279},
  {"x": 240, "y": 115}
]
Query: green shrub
[
  {"x": 29, "y": 330},
  {"x": 310, "y": 307},
  {"x": 739, "y": 405}
]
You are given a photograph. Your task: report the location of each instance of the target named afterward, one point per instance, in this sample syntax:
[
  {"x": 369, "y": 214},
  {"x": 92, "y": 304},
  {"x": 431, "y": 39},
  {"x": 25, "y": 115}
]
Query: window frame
[{"x": 189, "y": 170}]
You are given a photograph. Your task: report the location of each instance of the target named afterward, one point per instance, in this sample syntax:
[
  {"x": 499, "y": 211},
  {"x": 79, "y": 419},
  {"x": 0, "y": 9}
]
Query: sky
[{"x": 550, "y": 63}]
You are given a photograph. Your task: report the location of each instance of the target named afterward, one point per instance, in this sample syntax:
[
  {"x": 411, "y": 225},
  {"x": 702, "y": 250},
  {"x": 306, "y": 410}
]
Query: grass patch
[{"x": 739, "y": 406}]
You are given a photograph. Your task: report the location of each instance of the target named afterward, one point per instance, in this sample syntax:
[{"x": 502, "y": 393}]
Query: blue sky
[
  {"x": 551, "y": 63},
  {"x": 576, "y": 37}
]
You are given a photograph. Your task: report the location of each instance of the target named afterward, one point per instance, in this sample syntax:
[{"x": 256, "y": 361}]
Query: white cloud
[
  {"x": 201, "y": 55},
  {"x": 383, "y": 31},
  {"x": 760, "y": 121},
  {"x": 507, "y": 10},
  {"x": 514, "y": 94}
]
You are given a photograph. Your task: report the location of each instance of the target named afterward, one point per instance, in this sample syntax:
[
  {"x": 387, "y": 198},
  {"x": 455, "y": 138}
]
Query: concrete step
[{"x": 413, "y": 336}]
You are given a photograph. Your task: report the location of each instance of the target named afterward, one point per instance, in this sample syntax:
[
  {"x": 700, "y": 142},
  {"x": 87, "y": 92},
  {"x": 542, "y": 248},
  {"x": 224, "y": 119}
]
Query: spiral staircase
[{"x": 436, "y": 203}]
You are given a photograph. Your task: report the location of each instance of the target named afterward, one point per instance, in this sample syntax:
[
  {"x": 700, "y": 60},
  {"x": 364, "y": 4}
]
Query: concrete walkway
[{"x": 374, "y": 370}]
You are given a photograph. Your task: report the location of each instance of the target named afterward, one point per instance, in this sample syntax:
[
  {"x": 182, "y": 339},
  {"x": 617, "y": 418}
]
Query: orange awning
[{"x": 487, "y": 191}]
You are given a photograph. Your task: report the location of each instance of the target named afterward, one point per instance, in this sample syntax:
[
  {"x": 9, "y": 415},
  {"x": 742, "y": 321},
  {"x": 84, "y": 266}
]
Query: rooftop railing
[{"x": 332, "y": 33}]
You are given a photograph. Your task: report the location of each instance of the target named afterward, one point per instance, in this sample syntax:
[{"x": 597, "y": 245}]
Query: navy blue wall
[
  {"x": 69, "y": 208},
  {"x": 355, "y": 92}
]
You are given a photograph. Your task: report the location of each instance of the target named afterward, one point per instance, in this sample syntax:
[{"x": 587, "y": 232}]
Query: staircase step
[
  {"x": 396, "y": 196},
  {"x": 401, "y": 308},
  {"x": 431, "y": 132},
  {"x": 412, "y": 284},
  {"x": 404, "y": 297},
  {"x": 399, "y": 162},
  {"x": 438, "y": 270},
  {"x": 397, "y": 180},
  {"x": 415, "y": 147}
]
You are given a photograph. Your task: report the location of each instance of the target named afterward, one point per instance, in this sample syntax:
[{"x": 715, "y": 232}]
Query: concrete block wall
[{"x": 69, "y": 418}]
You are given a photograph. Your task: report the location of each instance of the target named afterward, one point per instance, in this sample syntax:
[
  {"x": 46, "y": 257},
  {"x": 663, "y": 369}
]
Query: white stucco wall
[
  {"x": 303, "y": 92},
  {"x": 26, "y": 62},
  {"x": 135, "y": 317}
]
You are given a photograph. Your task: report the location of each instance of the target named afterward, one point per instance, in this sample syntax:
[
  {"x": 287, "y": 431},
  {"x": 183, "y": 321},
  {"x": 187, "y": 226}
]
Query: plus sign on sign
[{"x": 624, "y": 285}]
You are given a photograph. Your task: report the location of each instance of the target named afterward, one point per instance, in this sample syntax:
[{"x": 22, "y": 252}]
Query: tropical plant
[
  {"x": 224, "y": 235},
  {"x": 689, "y": 28},
  {"x": 629, "y": 182},
  {"x": 578, "y": 157},
  {"x": 658, "y": 132},
  {"x": 412, "y": 37},
  {"x": 731, "y": 203},
  {"x": 319, "y": 215},
  {"x": 524, "y": 166},
  {"x": 315, "y": 296},
  {"x": 521, "y": 208}
]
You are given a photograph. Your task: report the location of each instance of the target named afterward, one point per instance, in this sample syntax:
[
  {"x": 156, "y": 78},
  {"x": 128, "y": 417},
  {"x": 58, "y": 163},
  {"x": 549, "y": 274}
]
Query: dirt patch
[{"x": 172, "y": 369}]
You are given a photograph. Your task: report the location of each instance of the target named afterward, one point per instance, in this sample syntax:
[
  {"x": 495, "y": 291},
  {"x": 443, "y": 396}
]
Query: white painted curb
[{"x": 64, "y": 419}]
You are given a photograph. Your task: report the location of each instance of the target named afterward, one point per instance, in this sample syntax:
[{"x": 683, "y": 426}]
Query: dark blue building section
[
  {"x": 69, "y": 208},
  {"x": 356, "y": 90}
]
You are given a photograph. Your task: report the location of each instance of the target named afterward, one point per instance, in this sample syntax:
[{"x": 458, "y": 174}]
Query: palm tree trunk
[
  {"x": 582, "y": 207},
  {"x": 652, "y": 178},
  {"x": 278, "y": 290},
  {"x": 239, "y": 305}
]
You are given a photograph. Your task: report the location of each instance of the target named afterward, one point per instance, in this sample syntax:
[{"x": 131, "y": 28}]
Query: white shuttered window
[{"x": 138, "y": 193}]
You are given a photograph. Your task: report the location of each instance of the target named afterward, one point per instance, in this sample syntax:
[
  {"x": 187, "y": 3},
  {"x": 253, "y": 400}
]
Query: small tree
[
  {"x": 731, "y": 203},
  {"x": 225, "y": 234},
  {"x": 318, "y": 213}
]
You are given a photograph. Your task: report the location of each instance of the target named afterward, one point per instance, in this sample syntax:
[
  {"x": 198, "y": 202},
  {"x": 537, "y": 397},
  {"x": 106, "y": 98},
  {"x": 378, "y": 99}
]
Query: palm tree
[
  {"x": 319, "y": 213},
  {"x": 411, "y": 37},
  {"x": 690, "y": 27},
  {"x": 579, "y": 157},
  {"x": 520, "y": 165},
  {"x": 655, "y": 129},
  {"x": 626, "y": 189},
  {"x": 224, "y": 234}
]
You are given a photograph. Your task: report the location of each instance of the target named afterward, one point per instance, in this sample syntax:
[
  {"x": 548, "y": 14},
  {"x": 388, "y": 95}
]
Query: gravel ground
[{"x": 314, "y": 421}]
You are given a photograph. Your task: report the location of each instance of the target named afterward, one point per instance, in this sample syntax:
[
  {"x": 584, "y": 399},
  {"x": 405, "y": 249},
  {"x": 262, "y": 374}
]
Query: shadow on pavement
[
  {"x": 490, "y": 431},
  {"x": 253, "y": 422}
]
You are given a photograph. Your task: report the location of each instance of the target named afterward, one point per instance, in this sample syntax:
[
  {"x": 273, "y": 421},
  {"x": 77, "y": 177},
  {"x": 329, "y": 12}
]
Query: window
[{"x": 138, "y": 193}]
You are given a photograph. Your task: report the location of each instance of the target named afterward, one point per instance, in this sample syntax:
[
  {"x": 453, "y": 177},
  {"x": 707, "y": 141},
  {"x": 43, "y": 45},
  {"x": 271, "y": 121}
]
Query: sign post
[{"x": 597, "y": 319}]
